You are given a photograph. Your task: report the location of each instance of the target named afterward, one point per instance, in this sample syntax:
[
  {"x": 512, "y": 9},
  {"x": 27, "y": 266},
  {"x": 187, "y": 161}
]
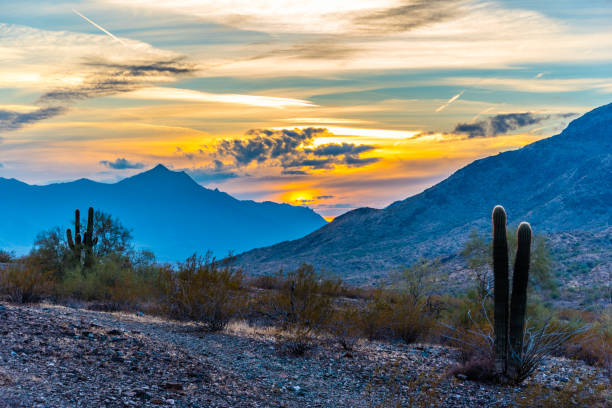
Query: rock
[{"x": 172, "y": 386}]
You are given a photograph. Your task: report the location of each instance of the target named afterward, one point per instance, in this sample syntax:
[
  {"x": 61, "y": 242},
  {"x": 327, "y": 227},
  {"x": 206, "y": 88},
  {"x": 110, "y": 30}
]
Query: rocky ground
[{"x": 54, "y": 356}]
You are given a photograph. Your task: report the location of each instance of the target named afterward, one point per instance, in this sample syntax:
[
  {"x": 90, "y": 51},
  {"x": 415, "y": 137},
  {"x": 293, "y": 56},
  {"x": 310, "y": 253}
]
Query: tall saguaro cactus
[
  {"x": 87, "y": 243},
  {"x": 509, "y": 324},
  {"x": 500, "y": 289},
  {"x": 518, "y": 304}
]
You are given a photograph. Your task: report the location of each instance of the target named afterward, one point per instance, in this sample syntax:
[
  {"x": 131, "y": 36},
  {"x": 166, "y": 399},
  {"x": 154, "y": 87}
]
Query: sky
[{"x": 330, "y": 104}]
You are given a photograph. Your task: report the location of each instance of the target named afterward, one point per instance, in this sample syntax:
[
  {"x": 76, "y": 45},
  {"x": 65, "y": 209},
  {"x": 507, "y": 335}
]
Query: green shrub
[{"x": 111, "y": 280}]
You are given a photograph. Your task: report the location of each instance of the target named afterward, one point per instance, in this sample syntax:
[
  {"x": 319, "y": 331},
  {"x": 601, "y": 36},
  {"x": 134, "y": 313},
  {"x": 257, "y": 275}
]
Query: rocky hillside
[{"x": 559, "y": 184}]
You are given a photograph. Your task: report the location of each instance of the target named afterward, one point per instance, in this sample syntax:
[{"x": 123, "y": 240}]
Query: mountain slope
[
  {"x": 563, "y": 183},
  {"x": 169, "y": 213}
]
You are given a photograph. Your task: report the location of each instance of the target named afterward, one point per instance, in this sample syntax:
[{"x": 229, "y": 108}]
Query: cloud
[
  {"x": 334, "y": 149},
  {"x": 325, "y": 197},
  {"x": 10, "y": 120},
  {"x": 409, "y": 15},
  {"x": 315, "y": 17},
  {"x": 266, "y": 144},
  {"x": 110, "y": 79},
  {"x": 122, "y": 164},
  {"x": 216, "y": 171},
  {"x": 294, "y": 173},
  {"x": 353, "y": 161},
  {"x": 501, "y": 124},
  {"x": 188, "y": 95},
  {"x": 61, "y": 64},
  {"x": 293, "y": 150}
]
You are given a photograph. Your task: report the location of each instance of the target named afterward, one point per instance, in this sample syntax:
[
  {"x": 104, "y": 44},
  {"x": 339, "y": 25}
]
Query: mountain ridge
[
  {"x": 562, "y": 183},
  {"x": 169, "y": 213}
]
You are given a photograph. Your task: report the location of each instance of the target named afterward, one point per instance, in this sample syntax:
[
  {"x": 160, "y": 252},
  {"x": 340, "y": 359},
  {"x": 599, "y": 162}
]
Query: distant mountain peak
[
  {"x": 160, "y": 175},
  {"x": 160, "y": 168},
  {"x": 167, "y": 210}
]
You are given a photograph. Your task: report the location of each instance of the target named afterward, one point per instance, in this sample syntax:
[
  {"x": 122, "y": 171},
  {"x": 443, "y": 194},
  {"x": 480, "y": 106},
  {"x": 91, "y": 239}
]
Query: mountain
[
  {"x": 169, "y": 213},
  {"x": 562, "y": 183}
]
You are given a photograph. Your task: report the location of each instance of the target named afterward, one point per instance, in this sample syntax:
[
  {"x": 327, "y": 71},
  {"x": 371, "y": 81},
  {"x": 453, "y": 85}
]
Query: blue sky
[{"x": 397, "y": 94}]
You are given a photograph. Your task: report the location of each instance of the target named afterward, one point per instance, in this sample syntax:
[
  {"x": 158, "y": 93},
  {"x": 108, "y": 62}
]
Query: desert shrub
[
  {"x": 25, "y": 281},
  {"x": 473, "y": 336},
  {"x": 346, "y": 326},
  {"x": 376, "y": 316},
  {"x": 303, "y": 304},
  {"x": 112, "y": 280},
  {"x": 580, "y": 392},
  {"x": 267, "y": 282},
  {"x": 594, "y": 345},
  {"x": 6, "y": 256},
  {"x": 203, "y": 290},
  {"x": 51, "y": 252},
  {"x": 412, "y": 321},
  {"x": 407, "y": 310}
]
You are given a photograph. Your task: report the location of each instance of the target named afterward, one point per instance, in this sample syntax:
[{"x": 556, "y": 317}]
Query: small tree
[{"x": 112, "y": 237}]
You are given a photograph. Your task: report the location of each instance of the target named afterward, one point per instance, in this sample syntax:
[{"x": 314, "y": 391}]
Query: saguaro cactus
[
  {"x": 87, "y": 243},
  {"x": 76, "y": 244},
  {"x": 509, "y": 324},
  {"x": 500, "y": 289},
  {"x": 518, "y": 304}
]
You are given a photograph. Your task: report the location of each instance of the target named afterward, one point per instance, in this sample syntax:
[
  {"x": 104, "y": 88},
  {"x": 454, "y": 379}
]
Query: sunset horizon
[{"x": 335, "y": 107}]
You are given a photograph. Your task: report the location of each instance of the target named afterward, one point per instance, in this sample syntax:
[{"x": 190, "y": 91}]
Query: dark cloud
[
  {"x": 294, "y": 173},
  {"x": 353, "y": 161},
  {"x": 408, "y": 16},
  {"x": 266, "y": 144},
  {"x": 478, "y": 129},
  {"x": 110, "y": 79},
  {"x": 334, "y": 149},
  {"x": 176, "y": 66},
  {"x": 325, "y": 197},
  {"x": 305, "y": 161},
  {"x": 292, "y": 150},
  {"x": 501, "y": 124},
  {"x": 122, "y": 164},
  {"x": 10, "y": 120}
]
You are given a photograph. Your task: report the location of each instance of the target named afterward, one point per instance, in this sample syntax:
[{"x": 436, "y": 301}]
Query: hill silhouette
[{"x": 168, "y": 211}]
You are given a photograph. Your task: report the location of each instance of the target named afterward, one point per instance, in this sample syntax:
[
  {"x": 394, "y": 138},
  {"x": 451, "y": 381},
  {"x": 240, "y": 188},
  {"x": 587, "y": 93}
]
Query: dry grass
[{"x": 582, "y": 392}]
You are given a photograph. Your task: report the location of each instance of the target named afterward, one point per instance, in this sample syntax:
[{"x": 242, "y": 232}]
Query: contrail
[
  {"x": 451, "y": 100},
  {"x": 489, "y": 109},
  {"x": 100, "y": 28}
]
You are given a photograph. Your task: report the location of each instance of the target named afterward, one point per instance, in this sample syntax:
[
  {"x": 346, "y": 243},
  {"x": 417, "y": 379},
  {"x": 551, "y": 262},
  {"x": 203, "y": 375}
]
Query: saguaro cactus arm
[
  {"x": 518, "y": 303},
  {"x": 90, "y": 241},
  {"x": 75, "y": 244},
  {"x": 501, "y": 288}
]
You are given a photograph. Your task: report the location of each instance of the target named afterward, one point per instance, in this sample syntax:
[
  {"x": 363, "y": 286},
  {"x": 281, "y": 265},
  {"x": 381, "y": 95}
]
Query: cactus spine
[
  {"x": 509, "y": 324},
  {"x": 500, "y": 289},
  {"x": 88, "y": 241}
]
